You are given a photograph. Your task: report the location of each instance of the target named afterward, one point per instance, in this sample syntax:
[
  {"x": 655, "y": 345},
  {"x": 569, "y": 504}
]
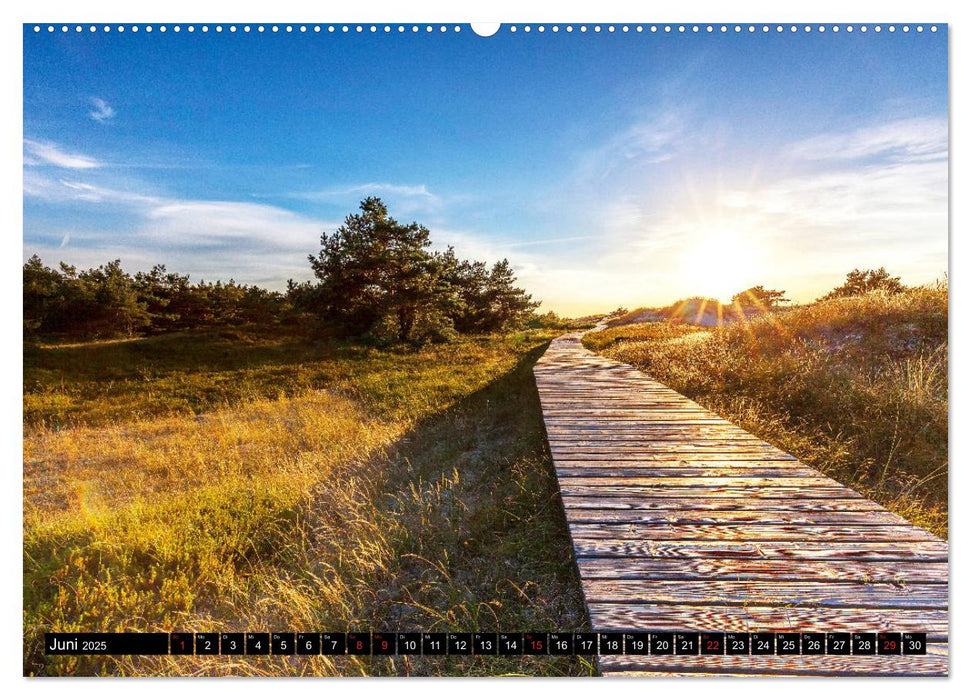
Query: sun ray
[
  {"x": 677, "y": 312},
  {"x": 701, "y": 312},
  {"x": 740, "y": 312}
]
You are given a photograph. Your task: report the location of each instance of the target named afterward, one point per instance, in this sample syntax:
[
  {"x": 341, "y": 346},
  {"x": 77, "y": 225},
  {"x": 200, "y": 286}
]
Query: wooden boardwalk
[{"x": 682, "y": 521}]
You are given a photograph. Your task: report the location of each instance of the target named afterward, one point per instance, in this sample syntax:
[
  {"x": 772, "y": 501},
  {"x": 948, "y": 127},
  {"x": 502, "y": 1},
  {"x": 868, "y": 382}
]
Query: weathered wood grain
[
  {"x": 836, "y": 594},
  {"x": 681, "y": 520},
  {"x": 703, "y": 493},
  {"x": 650, "y": 481},
  {"x": 701, "y": 470},
  {"x": 579, "y": 510},
  {"x": 764, "y": 549},
  {"x": 652, "y": 443},
  {"x": 640, "y": 426},
  {"x": 689, "y": 459},
  {"x": 645, "y": 501},
  {"x": 612, "y": 532},
  {"x": 822, "y": 572}
]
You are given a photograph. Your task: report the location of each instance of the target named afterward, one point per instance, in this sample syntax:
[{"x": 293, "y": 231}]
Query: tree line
[
  {"x": 375, "y": 278},
  {"x": 857, "y": 282},
  {"x": 107, "y": 302}
]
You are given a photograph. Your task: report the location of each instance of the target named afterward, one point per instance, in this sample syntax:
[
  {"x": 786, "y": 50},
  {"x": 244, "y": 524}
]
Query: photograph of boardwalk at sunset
[{"x": 571, "y": 350}]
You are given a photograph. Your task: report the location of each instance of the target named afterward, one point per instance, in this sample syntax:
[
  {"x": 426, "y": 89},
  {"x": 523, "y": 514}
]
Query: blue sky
[{"x": 611, "y": 169}]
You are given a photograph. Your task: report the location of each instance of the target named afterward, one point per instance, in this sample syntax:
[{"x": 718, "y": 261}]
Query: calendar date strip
[{"x": 635, "y": 643}]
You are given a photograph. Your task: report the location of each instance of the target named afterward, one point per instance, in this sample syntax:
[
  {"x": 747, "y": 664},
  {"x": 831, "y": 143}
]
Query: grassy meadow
[
  {"x": 856, "y": 387},
  {"x": 248, "y": 480}
]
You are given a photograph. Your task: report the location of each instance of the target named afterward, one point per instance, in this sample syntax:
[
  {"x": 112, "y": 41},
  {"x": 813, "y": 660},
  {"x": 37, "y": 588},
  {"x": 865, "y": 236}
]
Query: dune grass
[
  {"x": 239, "y": 481},
  {"x": 856, "y": 387}
]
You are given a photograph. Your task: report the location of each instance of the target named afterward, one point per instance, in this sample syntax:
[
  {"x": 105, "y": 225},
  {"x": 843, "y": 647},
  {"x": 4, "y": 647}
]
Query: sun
[{"x": 720, "y": 262}]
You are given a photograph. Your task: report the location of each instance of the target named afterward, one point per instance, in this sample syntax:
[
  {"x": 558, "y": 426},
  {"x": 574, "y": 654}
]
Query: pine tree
[
  {"x": 866, "y": 281},
  {"x": 760, "y": 297},
  {"x": 42, "y": 295},
  {"x": 374, "y": 270},
  {"x": 509, "y": 306}
]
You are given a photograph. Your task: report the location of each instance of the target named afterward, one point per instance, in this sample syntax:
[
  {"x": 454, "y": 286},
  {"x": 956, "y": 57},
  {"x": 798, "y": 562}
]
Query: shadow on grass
[{"x": 479, "y": 533}]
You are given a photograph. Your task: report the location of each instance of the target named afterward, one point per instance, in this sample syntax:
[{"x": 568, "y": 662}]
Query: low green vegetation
[
  {"x": 189, "y": 373},
  {"x": 854, "y": 385},
  {"x": 254, "y": 480}
]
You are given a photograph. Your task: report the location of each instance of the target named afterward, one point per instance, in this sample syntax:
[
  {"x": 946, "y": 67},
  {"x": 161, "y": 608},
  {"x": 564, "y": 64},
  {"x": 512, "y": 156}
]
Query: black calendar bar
[{"x": 632, "y": 643}]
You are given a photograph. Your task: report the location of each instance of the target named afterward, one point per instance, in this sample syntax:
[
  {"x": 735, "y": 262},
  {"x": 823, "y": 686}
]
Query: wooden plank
[
  {"x": 761, "y": 570},
  {"x": 642, "y": 400},
  {"x": 577, "y": 512},
  {"x": 836, "y": 594},
  {"x": 659, "y": 408},
  {"x": 711, "y": 492},
  {"x": 647, "y": 432},
  {"x": 650, "y": 470},
  {"x": 643, "y": 435},
  {"x": 822, "y": 533},
  {"x": 697, "y": 449},
  {"x": 654, "y": 460},
  {"x": 712, "y": 422},
  {"x": 620, "y": 393},
  {"x": 637, "y": 500},
  {"x": 653, "y": 501},
  {"x": 646, "y": 406},
  {"x": 661, "y": 448},
  {"x": 764, "y": 549},
  {"x": 733, "y": 480},
  {"x": 659, "y": 442},
  {"x": 564, "y": 457},
  {"x": 659, "y": 416}
]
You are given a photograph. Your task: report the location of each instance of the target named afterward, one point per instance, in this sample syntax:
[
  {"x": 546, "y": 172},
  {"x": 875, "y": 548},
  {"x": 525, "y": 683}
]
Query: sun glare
[{"x": 719, "y": 263}]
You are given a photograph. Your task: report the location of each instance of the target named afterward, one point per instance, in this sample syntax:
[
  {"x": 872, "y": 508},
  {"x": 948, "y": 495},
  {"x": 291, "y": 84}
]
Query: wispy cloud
[
  {"x": 881, "y": 197},
  {"x": 366, "y": 189},
  {"x": 549, "y": 242},
  {"x": 190, "y": 222},
  {"x": 232, "y": 227},
  {"x": 66, "y": 189},
  {"x": 888, "y": 178},
  {"x": 103, "y": 112},
  {"x": 403, "y": 199},
  {"x": 42, "y": 152},
  {"x": 47, "y": 153},
  {"x": 649, "y": 141},
  {"x": 251, "y": 242},
  {"x": 903, "y": 139}
]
